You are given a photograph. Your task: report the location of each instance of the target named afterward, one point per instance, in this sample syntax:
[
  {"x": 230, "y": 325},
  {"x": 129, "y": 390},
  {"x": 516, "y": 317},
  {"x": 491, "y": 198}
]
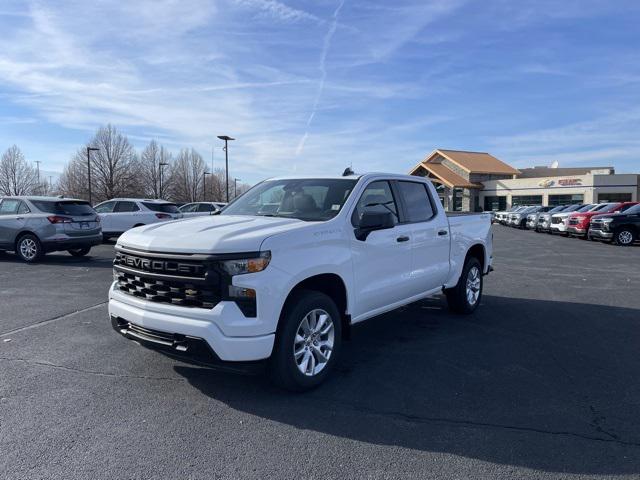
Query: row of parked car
[
  {"x": 32, "y": 226},
  {"x": 617, "y": 222}
]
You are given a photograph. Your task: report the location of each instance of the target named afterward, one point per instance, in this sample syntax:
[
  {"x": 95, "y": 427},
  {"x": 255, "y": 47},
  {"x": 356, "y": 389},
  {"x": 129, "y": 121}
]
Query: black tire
[
  {"x": 457, "y": 297},
  {"x": 284, "y": 368},
  {"x": 79, "y": 252},
  {"x": 29, "y": 249},
  {"x": 624, "y": 236}
]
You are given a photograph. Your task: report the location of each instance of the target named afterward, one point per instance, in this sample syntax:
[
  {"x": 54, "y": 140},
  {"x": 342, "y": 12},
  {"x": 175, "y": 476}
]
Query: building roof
[
  {"x": 536, "y": 172},
  {"x": 476, "y": 162},
  {"x": 447, "y": 176}
]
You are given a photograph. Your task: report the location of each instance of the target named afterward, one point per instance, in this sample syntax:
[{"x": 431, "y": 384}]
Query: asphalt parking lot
[{"x": 541, "y": 382}]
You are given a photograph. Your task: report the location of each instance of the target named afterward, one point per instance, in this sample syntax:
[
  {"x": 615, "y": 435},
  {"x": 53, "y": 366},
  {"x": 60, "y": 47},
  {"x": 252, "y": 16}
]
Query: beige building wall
[{"x": 587, "y": 185}]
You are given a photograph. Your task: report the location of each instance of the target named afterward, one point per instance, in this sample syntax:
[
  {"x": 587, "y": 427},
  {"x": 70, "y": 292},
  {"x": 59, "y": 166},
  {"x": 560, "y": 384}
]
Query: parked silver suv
[{"x": 33, "y": 226}]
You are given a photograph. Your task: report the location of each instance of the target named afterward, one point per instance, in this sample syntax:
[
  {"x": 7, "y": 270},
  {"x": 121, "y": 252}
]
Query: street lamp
[
  {"x": 204, "y": 186},
  {"x": 226, "y": 139},
  {"x": 235, "y": 187},
  {"x": 89, "y": 150},
  {"x": 160, "y": 165}
]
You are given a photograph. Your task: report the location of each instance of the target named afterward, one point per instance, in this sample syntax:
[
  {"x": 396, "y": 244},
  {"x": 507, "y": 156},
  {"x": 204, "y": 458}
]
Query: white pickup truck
[{"x": 285, "y": 270}]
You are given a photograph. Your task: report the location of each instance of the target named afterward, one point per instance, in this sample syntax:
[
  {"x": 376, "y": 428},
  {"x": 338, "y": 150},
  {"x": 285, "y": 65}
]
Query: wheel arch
[
  {"x": 332, "y": 285},
  {"x": 478, "y": 251},
  {"x": 22, "y": 234}
]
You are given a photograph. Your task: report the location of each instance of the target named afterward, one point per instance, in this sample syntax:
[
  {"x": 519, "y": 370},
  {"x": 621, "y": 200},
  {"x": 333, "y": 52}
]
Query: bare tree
[
  {"x": 187, "y": 176},
  {"x": 115, "y": 169},
  {"x": 17, "y": 177},
  {"x": 152, "y": 156}
]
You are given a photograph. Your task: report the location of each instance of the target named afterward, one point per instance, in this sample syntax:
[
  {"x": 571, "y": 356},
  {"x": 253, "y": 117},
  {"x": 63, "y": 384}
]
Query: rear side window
[
  {"x": 205, "y": 207},
  {"x": 23, "y": 208},
  {"x": 105, "y": 207},
  {"x": 161, "y": 207},
  {"x": 126, "y": 207},
  {"x": 192, "y": 207},
  {"x": 9, "y": 206},
  {"x": 417, "y": 201},
  {"x": 65, "y": 208}
]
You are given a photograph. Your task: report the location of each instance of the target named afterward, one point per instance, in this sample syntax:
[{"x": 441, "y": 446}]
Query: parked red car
[{"x": 578, "y": 223}]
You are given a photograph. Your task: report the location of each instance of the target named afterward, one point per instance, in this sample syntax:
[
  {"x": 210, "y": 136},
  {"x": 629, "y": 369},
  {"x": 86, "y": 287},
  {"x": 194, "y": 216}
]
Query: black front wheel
[
  {"x": 79, "y": 252},
  {"x": 466, "y": 295},
  {"x": 307, "y": 342},
  {"x": 625, "y": 236}
]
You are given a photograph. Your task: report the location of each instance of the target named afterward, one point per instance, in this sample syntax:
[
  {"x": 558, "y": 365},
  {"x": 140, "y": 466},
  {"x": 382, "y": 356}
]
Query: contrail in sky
[{"x": 323, "y": 74}]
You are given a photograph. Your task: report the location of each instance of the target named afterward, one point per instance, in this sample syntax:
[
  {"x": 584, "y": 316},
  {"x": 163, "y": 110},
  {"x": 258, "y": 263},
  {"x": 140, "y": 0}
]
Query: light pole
[
  {"x": 89, "y": 150},
  {"x": 160, "y": 165},
  {"x": 226, "y": 139},
  {"x": 235, "y": 187},
  {"x": 204, "y": 186},
  {"x": 38, "y": 174}
]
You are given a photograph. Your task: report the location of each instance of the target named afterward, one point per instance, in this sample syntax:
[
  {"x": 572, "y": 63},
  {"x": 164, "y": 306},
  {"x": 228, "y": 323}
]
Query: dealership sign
[
  {"x": 569, "y": 182},
  {"x": 564, "y": 182}
]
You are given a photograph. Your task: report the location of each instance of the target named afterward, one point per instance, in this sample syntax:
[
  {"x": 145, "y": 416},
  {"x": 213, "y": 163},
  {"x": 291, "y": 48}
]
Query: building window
[
  {"x": 555, "y": 200},
  {"x": 495, "y": 204},
  {"x": 614, "y": 197},
  {"x": 457, "y": 199},
  {"x": 517, "y": 200}
]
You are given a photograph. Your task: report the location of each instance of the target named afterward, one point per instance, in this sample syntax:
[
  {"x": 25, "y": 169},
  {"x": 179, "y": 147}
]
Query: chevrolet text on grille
[{"x": 157, "y": 265}]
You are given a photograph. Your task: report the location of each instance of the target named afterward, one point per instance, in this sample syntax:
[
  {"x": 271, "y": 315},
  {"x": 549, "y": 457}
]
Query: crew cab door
[
  {"x": 382, "y": 261},
  {"x": 430, "y": 243}
]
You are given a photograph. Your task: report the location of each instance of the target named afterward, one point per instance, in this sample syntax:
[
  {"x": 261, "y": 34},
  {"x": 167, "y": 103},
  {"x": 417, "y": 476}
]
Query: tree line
[{"x": 118, "y": 170}]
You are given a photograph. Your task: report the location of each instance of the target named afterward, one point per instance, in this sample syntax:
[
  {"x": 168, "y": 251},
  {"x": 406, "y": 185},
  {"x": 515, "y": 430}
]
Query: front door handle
[
  {"x": 403, "y": 238},
  {"x": 442, "y": 232}
]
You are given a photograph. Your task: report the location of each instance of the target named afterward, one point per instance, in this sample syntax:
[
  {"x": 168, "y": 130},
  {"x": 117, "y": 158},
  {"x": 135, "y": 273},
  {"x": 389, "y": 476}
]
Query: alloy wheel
[
  {"x": 625, "y": 237},
  {"x": 313, "y": 343},
  {"x": 28, "y": 249},
  {"x": 473, "y": 285}
]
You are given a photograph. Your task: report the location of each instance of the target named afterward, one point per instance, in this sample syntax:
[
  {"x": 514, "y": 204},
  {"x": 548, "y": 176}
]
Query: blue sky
[{"x": 311, "y": 86}]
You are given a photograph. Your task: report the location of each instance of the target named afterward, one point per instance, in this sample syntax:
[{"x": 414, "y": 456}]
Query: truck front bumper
[
  {"x": 171, "y": 331},
  {"x": 600, "y": 234},
  {"x": 573, "y": 230}
]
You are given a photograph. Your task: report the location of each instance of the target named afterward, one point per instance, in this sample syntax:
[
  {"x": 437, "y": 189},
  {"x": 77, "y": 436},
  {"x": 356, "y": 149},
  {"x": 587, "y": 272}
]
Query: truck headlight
[{"x": 241, "y": 266}]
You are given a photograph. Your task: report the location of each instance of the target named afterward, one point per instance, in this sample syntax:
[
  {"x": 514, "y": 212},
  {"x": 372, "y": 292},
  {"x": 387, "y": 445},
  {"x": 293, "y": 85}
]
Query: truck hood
[{"x": 208, "y": 234}]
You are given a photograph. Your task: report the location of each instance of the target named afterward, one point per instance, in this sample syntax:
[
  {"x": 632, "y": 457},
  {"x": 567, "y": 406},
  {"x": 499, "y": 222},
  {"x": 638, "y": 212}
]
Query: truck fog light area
[{"x": 241, "y": 292}]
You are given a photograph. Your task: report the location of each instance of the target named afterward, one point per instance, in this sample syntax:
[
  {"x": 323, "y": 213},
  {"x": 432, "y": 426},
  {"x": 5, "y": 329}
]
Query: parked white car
[
  {"x": 559, "y": 221},
  {"x": 284, "y": 271},
  {"x": 120, "y": 214},
  {"x": 198, "y": 209}
]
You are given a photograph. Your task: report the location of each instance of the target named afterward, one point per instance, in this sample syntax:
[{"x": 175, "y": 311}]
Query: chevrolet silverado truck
[
  {"x": 285, "y": 271},
  {"x": 578, "y": 223},
  {"x": 622, "y": 228}
]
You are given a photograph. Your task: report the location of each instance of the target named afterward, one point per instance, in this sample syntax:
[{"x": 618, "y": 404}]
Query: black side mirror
[{"x": 372, "y": 221}]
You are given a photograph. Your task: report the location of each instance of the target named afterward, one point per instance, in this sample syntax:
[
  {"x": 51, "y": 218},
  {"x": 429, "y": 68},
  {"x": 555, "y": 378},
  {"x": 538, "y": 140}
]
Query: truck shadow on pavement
[{"x": 551, "y": 386}]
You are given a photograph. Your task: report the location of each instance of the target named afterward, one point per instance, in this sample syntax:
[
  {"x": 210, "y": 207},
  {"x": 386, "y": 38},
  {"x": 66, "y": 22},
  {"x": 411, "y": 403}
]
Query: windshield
[
  {"x": 161, "y": 207},
  {"x": 304, "y": 199},
  {"x": 64, "y": 208},
  {"x": 557, "y": 209},
  {"x": 586, "y": 208},
  {"x": 606, "y": 206},
  {"x": 633, "y": 209}
]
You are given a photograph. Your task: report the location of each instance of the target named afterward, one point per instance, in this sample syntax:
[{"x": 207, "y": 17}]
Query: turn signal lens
[{"x": 247, "y": 265}]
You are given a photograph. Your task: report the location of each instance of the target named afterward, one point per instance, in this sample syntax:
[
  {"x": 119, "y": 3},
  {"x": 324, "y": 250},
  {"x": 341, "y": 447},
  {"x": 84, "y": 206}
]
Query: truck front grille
[
  {"x": 556, "y": 220},
  {"x": 574, "y": 221},
  {"x": 171, "y": 291}
]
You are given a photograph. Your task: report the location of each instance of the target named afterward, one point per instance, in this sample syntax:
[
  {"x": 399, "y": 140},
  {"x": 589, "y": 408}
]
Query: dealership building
[{"x": 474, "y": 181}]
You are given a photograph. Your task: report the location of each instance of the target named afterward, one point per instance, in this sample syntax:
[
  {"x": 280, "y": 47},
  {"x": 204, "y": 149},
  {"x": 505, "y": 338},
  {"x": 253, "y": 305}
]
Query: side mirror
[{"x": 372, "y": 221}]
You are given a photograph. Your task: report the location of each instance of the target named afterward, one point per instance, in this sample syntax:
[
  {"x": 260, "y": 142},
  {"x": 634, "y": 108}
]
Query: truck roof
[{"x": 355, "y": 176}]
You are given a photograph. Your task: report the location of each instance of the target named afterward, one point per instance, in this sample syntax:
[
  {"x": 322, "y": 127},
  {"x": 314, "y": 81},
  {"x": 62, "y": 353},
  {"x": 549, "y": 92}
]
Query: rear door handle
[
  {"x": 403, "y": 238},
  {"x": 442, "y": 232}
]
